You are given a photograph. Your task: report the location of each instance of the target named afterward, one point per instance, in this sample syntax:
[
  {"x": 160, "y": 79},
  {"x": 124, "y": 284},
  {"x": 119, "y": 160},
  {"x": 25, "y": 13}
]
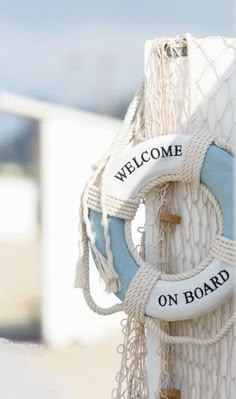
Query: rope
[
  {"x": 122, "y": 208},
  {"x": 139, "y": 291},
  {"x": 163, "y": 276},
  {"x": 118, "y": 145},
  {"x": 173, "y": 340},
  {"x": 145, "y": 279},
  {"x": 110, "y": 205},
  {"x": 194, "y": 156},
  {"x": 133, "y": 371},
  {"x": 124, "y": 137},
  {"x": 224, "y": 250}
]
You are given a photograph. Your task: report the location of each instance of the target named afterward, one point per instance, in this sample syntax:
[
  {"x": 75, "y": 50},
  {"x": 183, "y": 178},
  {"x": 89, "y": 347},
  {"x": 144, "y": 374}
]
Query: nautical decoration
[
  {"x": 132, "y": 167},
  {"x": 192, "y": 159}
]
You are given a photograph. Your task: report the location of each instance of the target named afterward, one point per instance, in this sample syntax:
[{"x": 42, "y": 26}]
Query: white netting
[{"x": 182, "y": 94}]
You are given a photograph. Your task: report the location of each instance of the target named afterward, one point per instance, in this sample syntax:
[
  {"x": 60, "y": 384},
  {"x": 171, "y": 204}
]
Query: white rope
[
  {"x": 184, "y": 340},
  {"x": 144, "y": 280},
  {"x": 139, "y": 291},
  {"x": 224, "y": 250},
  {"x": 123, "y": 209},
  {"x": 99, "y": 200},
  {"x": 194, "y": 156},
  {"x": 124, "y": 137},
  {"x": 132, "y": 376}
]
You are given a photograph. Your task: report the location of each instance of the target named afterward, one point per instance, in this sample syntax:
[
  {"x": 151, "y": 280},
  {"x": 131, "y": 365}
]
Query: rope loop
[
  {"x": 224, "y": 249},
  {"x": 96, "y": 198},
  {"x": 118, "y": 207},
  {"x": 139, "y": 291},
  {"x": 194, "y": 156},
  {"x": 183, "y": 340}
]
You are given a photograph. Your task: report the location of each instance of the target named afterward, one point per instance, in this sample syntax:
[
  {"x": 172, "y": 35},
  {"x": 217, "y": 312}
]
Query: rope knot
[
  {"x": 139, "y": 291},
  {"x": 194, "y": 157},
  {"x": 122, "y": 208},
  {"x": 224, "y": 249}
]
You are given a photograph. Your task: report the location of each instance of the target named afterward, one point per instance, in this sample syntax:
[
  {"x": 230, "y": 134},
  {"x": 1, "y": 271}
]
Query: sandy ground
[
  {"x": 31, "y": 370},
  {"x": 19, "y": 282}
]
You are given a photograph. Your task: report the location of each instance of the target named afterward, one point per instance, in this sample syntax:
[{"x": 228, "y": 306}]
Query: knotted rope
[
  {"x": 139, "y": 291},
  {"x": 122, "y": 208},
  {"x": 194, "y": 156},
  {"x": 142, "y": 284},
  {"x": 224, "y": 250},
  {"x": 96, "y": 198}
]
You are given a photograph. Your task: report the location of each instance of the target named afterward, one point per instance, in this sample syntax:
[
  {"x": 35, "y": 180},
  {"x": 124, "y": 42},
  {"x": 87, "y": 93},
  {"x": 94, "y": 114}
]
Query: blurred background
[{"x": 68, "y": 70}]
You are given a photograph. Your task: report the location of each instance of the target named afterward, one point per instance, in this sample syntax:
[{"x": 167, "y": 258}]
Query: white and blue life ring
[{"x": 127, "y": 176}]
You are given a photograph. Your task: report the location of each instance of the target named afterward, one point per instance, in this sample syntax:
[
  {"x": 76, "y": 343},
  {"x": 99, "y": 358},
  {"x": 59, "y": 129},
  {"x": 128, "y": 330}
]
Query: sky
[{"x": 89, "y": 54}]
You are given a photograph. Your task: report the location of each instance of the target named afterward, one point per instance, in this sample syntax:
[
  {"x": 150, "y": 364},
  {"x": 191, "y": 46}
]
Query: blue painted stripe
[
  {"x": 124, "y": 264},
  {"x": 218, "y": 175}
]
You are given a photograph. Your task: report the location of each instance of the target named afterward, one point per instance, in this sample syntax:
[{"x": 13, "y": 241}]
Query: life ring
[{"x": 163, "y": 158}]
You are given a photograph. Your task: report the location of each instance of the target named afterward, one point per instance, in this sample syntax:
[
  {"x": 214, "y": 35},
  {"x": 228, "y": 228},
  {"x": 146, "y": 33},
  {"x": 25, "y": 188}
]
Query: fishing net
[{"x": 190, "y": 84}]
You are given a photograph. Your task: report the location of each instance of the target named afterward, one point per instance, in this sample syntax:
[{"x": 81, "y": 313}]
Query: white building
[{"x": 70, "y": 142}]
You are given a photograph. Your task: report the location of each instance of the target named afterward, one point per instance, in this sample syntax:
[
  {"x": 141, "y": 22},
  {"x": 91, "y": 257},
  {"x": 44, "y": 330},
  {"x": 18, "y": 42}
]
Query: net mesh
[{"x": 183, "y": 93}]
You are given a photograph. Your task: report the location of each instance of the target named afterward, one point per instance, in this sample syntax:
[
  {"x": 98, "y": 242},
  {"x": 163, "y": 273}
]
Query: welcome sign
[
  {"x": 147, "y": 161},
  {"x": 127, "y": 177},
  {"x": 146, "y": 156}
]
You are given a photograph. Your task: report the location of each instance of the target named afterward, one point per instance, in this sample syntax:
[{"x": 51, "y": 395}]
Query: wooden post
[
  {"x": 170, "y": 394},
  {"x": 153, "y": 357}
]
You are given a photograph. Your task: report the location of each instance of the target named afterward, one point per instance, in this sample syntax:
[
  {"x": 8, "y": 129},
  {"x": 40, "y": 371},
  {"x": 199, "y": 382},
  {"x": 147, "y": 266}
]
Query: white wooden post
[{"x": 153, "y": 357}]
